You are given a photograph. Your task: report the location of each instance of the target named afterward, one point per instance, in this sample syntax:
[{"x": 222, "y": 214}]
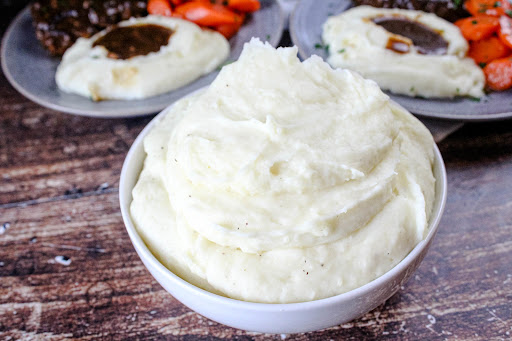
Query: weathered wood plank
[
  {"x": 47, "y": 154},
  {"x": 464, "y": 285}
]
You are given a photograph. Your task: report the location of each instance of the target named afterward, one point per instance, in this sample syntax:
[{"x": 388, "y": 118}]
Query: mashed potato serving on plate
[
  {"x": 140, "y": 65},
  {"x": 284, "y": 181},
  {"x": 407, "y": 52}
]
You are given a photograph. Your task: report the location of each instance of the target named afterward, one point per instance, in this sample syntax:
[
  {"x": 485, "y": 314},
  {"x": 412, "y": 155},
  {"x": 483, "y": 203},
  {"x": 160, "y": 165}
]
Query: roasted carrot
[
  {"x": 159, "y": 7},
  {"x": 498, "y": 74},
  {"x": 176, "y": 2},
  {"x": 205, "y": 13},
  {"x": 229, "y": 30},
  {"x": 479, "y": 27},
  {"x": 485, "y": 50},
  {"x": 489, "y": 7},
  {"x": 505, "y": 31},
  {"x": 244, "y": 5}
]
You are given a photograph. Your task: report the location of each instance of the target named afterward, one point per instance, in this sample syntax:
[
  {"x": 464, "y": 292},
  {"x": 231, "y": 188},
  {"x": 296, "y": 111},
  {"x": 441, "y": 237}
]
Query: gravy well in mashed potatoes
[
  {"x": 130, "y": 41},
  {"x": 426, "y": 40}
]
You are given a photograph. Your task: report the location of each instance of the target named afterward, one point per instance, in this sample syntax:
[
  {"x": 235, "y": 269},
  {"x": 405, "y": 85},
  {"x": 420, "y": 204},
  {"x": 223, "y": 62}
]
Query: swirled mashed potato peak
[{"x": 284, "y": 181}]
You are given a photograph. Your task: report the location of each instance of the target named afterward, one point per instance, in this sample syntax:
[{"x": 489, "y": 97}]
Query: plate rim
[
  {"x": 445, "y": 117},
  {"x": 115, "y": 112}
]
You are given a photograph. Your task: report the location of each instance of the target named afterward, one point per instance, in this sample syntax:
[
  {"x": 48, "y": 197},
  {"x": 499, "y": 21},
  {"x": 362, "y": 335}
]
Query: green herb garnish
[{"x": 320, "y": 46}]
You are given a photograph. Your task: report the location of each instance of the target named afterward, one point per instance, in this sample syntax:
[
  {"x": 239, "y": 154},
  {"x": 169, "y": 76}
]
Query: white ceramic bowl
[{"x": 275, "y": 318}]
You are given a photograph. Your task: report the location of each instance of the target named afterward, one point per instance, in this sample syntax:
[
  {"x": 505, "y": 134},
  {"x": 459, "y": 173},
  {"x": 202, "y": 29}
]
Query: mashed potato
[
  {"x": 190, "y": 53},
  {"x": 284, "y": 181},
  {"x": 357, "y": 43}
]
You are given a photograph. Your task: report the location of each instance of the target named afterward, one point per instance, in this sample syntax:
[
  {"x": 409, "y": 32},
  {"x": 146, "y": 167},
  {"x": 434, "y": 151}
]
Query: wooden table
[{"x": 68, "y": 269}]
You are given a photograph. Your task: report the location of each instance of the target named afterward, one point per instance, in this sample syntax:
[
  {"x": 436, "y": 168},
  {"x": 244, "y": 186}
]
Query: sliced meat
[
  {"x": 59, "y": 23},
  {"x": 446, "y": 9}
]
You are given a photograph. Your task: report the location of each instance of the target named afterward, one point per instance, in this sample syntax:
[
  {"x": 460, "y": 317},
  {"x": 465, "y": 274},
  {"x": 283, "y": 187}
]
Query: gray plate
[
  {"x": 32, "y": 72},
  {"x": 306, "y": 32}
]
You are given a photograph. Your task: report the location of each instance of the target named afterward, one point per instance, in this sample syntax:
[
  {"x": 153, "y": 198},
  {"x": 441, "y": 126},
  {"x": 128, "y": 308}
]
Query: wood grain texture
[{"x": 69, "y": 271}]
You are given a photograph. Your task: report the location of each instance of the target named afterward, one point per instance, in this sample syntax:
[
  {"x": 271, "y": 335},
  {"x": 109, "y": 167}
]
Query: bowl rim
[{"x": 140, "y": 246}]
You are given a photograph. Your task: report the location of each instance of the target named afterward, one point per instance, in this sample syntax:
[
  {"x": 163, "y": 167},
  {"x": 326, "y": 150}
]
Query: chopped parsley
[
  {"x": 321, "y": 46},
  {"x": 341, "y": 50}
]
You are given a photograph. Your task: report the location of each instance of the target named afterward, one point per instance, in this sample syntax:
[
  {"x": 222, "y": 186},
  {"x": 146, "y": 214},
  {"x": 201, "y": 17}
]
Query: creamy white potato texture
[
  {"x": 284, "y": 181},
  {"x": 357, "y": 43},
  {"x": 190, "y": 53}
]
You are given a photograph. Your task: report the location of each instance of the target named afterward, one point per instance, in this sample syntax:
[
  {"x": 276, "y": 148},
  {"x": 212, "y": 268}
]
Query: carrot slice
[
  {"x": 159, "y": 7},
  {"x": 489, "y": 7},
  {"x": 479, "y": 27},
  {"x": 205, "y": 13},
  {"x": 244, "y": 5},
  {"x": 229, "y": 30},
  {"x": 176, "y": 2},
  {"x": 236, "y": 5},
  {"x": 485, "y": 50},
  {"x": 505, "y": 32},
  {"x": 498, "y": 74}
]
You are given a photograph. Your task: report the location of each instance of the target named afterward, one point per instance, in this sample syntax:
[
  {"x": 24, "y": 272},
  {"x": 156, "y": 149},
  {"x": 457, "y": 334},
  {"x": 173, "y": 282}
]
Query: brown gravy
[
  {"x": 426, "y": 40},
  {"x": 131, "y": 41},
  {"x": 398, "y": 45}
]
